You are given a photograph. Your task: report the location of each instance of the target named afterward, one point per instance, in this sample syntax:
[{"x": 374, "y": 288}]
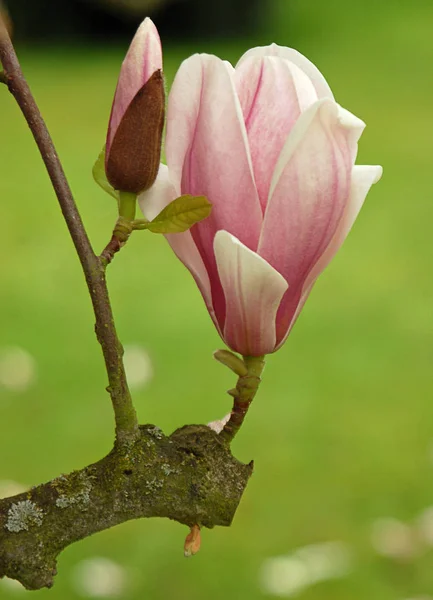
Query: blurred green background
[{"x": 342, "y": 429}]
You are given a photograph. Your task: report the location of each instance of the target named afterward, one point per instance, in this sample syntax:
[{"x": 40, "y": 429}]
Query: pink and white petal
[
  {"x": 207, "y": 154},
  {"x": 151, "y": 202},
  {"x": 182, "y": 113},
  {"x": 319, "y": 82},
  {"x": 207, "y": 150},
  {"x": 309, "y": 190},
  {"x": 363, "y": 177},
  {"x": 143, "y": 58},
  {"x": 273, "y": 92},
  {"x": 253, "y": 290}
]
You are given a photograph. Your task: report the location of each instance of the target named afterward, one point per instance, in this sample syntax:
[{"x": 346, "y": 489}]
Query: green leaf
[
  {"x": 180, "y": 214},
  {"x": 100, "y": 177}
]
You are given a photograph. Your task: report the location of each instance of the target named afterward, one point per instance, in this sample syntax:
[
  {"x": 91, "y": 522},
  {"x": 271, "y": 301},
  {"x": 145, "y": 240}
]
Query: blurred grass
[{"x": 343, "y": 425}]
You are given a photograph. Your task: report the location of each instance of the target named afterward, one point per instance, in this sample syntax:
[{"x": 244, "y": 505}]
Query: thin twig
[
  {"x": 121, "y": 233},
  {"x": 126, "y": 419},
  {"x": 113, "y": 246}
]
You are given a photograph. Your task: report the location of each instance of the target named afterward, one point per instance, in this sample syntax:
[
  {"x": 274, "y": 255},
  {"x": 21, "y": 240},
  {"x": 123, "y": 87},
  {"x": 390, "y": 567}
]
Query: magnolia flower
[
  {"x": 274, "y": 154},
  {"x": 134, "y": 134}
]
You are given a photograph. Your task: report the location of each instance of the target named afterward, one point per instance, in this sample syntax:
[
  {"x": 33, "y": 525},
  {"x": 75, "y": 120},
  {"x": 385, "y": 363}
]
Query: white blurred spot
[
  {"x": 284, "y": 576},
  {"x": 12, "y": 585},
  {"x": 17, "y": 369},
  {"x": 394, "y": 539},
  {"x": 288, "y": 575},
  {"x": 99, "y": 577},
  {"x": 10, "y": 488},
  {"x": 328, "y": 560},
  {"x": 425, "y": 525},
  {"x": 218, "y": 426},
  {"x": 138, "y": 366}
]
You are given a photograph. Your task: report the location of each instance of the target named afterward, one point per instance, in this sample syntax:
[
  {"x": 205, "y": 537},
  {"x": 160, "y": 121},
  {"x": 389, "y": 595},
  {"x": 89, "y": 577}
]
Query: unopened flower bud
[{"x": 137, "y": 117}]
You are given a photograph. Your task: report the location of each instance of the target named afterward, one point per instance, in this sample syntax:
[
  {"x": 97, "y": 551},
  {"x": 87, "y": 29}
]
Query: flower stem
[
  {"x": 127, "y": 205},
  {"x": 243, "y": 394}
]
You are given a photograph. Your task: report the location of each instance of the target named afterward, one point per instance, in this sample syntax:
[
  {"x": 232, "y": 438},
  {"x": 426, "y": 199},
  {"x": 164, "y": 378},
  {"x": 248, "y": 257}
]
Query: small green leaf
[
  {"x": 100, "y": 177},
  {"x": 180, "y": 214},
  {"x": 233, "y": 362}
]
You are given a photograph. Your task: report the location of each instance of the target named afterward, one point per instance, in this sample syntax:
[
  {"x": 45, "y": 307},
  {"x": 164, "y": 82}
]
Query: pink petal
[
  {"x": 207, "y": 148},
  {"x": 309, "y": 190},
  {"x": 273, "y": 92},
  {"x": 363, "y": 177},
  {"x": 207, "y": 154},
  {"x": 319, "y": 82},
  {"x": 253, "y": 292},
  {"x": 310, "y": 186},
  {"x": 143, "y": 58},
  {"x": 151, "y": 202}
]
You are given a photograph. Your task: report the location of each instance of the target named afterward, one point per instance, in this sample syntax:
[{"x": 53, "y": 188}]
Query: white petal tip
[
  {"x": 379, "y": 173},
  {"x": 349, "y": 120},
  {"x": 223, "y": 237},
  {"x": 147, "y": 24}
]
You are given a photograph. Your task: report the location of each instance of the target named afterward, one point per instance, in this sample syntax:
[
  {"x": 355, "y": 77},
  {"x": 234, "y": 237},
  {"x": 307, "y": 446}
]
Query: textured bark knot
[{"x": 190, "y": 477}]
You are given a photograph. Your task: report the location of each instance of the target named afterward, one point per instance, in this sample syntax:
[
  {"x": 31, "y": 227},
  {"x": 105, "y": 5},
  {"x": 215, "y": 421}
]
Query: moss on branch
[{"x": 190, "y": 477}]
